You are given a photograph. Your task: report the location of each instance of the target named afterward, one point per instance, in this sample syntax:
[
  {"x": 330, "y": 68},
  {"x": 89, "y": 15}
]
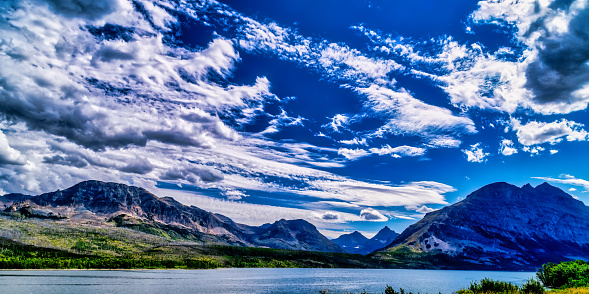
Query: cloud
[
  {"x": 337, "y": 122},
  {"x": 534, "y": 132},
  {"x": 535, "y": 150},
  {"x": 372, "y": 215},
  {"x": 140, "y": 166},
  {"x": 399, "y": 151},
  {"x": 67, "y": 160},
  {"x": 475, "y": 153},
  {"x": 330, "y": 216},
  {"x": 553, "y": 66},
  {"x": 406, "y": 115},
  {"x": 355, "y": 141},
  {"x": 424, "y": 209},
  {"x": 282, "y": 120},
  {"x": 378, "y": 195},
  {"x": 568, "y": 180},
  {"x": 352, "y": 154},
  {"x": 506, "y": 147},
  {"x": 89, "y": 9},
  {"x": 9, "y": 155},
  {"x": 193, "y": 173}
]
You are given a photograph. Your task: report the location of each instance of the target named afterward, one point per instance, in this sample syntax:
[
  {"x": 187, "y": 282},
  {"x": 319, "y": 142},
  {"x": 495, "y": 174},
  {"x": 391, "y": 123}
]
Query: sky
[{"x": 351, "y": 114}]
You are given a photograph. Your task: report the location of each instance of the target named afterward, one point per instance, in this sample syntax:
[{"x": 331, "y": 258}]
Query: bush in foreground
[
  {"x": 567, "y": 274},
  {"x": 487, "y": 285}
]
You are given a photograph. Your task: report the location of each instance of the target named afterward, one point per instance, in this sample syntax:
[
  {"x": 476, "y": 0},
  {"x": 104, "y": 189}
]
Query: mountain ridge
[
  {"x": 357, "y": 243},
  {"x": 106, "y": 200}
]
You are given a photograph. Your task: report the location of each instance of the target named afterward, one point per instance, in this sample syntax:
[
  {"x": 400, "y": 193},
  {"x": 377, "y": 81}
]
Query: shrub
[
  {"x": 487, "y": 285},
  {"x": 565, "y": 274},
  {"x": 532, "y": 286}
]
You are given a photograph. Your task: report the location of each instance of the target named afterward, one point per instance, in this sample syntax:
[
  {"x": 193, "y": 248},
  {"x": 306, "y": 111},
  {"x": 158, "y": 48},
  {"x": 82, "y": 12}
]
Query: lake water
[{"x": 244, "y": 280}]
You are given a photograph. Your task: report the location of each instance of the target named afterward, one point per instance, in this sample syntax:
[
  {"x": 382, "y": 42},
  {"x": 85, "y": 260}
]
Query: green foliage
[
  {"x": 532, "y": 286},
  {"x": 487, "y": 285},
  {"x": 565, "y": 274}
]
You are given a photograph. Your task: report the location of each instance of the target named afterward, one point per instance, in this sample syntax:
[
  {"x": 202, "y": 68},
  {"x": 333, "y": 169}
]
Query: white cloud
[
  {"x": 355, "y": 141},
  {"x": 568, "y": 180},
  {"x": 353, "y": 154},
  {"x": 506, "y": 147},
  {"x": 337, "y": 122},
  {"x": 372, "y": 215},
  {"x": 406, "y": 115},
  {"x": 399, "y": 151},
  {"x": 9, "y": 155},
  {"x": 475, "y": 153},
  {"x": 553, "y": 151},
  {"x": 534, "y": 150},
  {"x": 424, "y": 209},
  {"x": 282, "y": 120},
  {"x": 572, "y": 189},
  {"x": 534, "y": 132},
  {"x": 379, "y": 195}
]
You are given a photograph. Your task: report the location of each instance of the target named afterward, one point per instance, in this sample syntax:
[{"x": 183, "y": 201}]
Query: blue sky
[{"x": 350, "y": 114}]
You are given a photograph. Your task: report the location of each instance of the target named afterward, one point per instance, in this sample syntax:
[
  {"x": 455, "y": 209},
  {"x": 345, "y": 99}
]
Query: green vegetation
[
  {"x": 487, "y": 285},
  {"x": 123, "y": 242},
  {"x": 570, "y": 277},
  {"x": 565, "y": 274}
]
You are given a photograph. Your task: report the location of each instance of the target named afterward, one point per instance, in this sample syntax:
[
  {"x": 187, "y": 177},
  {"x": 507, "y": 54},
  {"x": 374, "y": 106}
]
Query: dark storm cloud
[
  {"x": 561, "y": 68},
  {"x": 192, "y": 174},
  {"x": 89, "y": 9},
  {"x": 68, "y": 160},
  {"x": 63, "y": 120},
  {"x": 330, "y": 216},
  {"x": 140, "y": 166}
]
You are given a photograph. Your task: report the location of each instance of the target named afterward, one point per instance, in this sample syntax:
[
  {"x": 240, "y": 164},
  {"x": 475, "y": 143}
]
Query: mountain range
[
  {"x": 134, "y": 207},
  {"x": 502, "y": 226},
  {"x": 499, "y": 226},
  {"x": 357, "y": 243}
]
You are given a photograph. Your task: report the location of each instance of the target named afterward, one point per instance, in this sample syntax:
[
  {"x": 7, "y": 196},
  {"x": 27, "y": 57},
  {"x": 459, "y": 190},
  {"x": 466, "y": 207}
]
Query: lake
[{"x": 239, "y": 280}]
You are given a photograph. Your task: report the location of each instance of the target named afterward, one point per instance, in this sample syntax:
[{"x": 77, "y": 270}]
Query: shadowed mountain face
[
  {"x": 352, "y": 242},
  {"x": 356, "y": 242},
  {"x": 503, "y": 226},
  {"x": 95, "y": 198}
]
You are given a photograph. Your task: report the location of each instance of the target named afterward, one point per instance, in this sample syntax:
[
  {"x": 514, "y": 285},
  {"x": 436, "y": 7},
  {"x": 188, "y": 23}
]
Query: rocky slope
[
  {"x": 99, "y": 201},
  {"x": 502, "y": 226},
  {"x": 358, "y": 244}
]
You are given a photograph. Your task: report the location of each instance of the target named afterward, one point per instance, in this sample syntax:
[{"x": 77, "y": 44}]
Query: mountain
[
  {"x": 351, "y": 242},
  {"x": 358, "y": 244},
  {"x": 136, "y": 207},
  {"x": 501, "y": 226},
  {"x": 383, "y": 238},
  {"x": 295, "y": 234}
]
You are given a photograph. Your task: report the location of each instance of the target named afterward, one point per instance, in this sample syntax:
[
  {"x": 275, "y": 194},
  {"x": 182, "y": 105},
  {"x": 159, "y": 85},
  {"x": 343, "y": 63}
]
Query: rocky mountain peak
[{"x": 501, "y": 225}]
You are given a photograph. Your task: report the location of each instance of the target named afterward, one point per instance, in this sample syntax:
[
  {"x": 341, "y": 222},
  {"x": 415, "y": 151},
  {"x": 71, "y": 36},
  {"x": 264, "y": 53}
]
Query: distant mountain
[
  {"x": 352, "y": 242},
  {"x": 383, "y": 238},
  {"x": 358, "y": 244},
  {"x": 295, "y": 234},
  {"x": 133, "y": 206},
  {"x": 502, "y": 226}
]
